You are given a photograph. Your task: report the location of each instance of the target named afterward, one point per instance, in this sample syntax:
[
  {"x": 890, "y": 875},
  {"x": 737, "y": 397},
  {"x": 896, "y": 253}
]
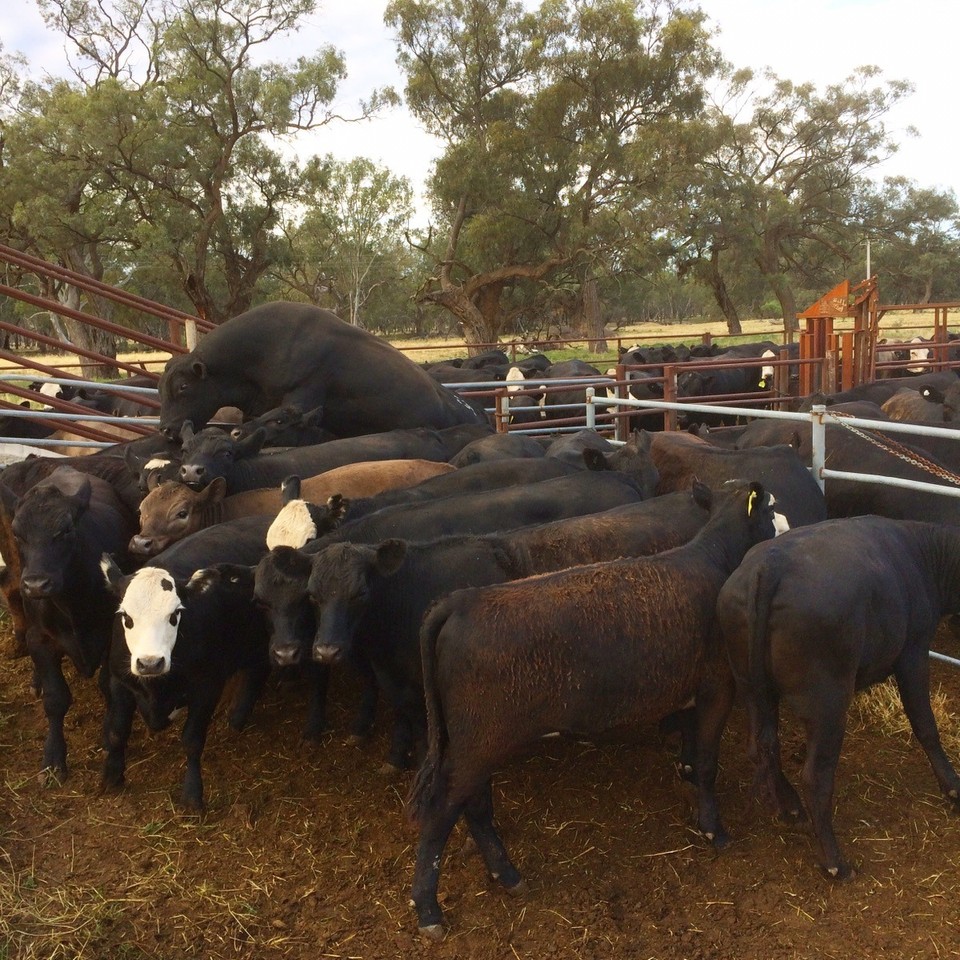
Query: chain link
[{"x": 899, "y": 450}]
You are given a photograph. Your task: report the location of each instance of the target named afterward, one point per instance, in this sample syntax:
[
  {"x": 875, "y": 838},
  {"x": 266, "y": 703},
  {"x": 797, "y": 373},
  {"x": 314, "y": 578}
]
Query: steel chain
[{"x": 899, "y": 450}]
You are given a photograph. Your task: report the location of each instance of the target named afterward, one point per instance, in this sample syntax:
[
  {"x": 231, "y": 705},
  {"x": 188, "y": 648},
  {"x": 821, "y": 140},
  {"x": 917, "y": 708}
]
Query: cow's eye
[
  {"x": 127, "y": 621},
  {"x": 174, "y": 618},
  {"x": 182, "y": 387},
  {"x": 182, "y": 515}
]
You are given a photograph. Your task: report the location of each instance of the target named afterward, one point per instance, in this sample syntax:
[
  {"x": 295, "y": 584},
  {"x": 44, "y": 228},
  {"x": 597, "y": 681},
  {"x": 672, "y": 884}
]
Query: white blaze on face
[
  {"x": 293, "y": 526},
  {"x": 766, "y": 371},
  {"x": 918, "y": 355},
  {"x": 51, "y": 390},
  {"x": 156, "y": 463},
  {"x": 780, "y": 522},
  {"x": 150, "y": 612},
  {"x": 515, "y": 377}
]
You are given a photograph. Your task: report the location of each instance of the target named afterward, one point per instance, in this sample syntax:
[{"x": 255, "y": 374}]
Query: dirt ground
[{"x": 303, "y": 852}]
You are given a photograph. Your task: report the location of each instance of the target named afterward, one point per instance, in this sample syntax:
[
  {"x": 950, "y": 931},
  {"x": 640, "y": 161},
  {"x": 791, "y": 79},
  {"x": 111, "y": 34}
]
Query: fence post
[
  {"x": 670, "y": 395},
  {"x": 190, "y": 331},
  {"x": 818, "y": 439},
  {"x": 591, "y": 409}
]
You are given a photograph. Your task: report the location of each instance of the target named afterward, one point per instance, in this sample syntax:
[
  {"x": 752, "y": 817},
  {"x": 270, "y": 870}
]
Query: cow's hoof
[
  {"x": 469, "y": 847},
  {"x": 434, "y": 932},
  {"x": 719, "y": 839},
  {"x": 686, "y": 772},
  {"x": 839, "y": 872},
  {"x": 52, "y": 775},
  {"x": 112, "y": 786},
  {"x": 519, "y": 889}
]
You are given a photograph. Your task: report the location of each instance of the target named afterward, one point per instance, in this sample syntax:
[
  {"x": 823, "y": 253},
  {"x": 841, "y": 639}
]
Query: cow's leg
[
  {"x": 194, "y": 737},
  {"x": 912, "y": 673},
  {"x": 318, "y": 677},
  {"x": 825, "y": 731},
  {"x": 714, "y": 703},
  {"x": 479, "y": 816},
  {"x": 684, "y": 723},
  {"x": 56, "y": 698},
  {"x": 252, "y": 682},
  {"x": 369, "y": 695},
  {"x": 119, "y": 721},
  {"x": 435, "y": 828},
  {"x": 402, "y": 740},
  {"x": 770, "y": 783},
  {"x": 103, "y": 682}
]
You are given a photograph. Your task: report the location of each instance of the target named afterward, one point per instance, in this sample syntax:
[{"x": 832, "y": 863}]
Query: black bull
[{"x": 291, "y": 353}]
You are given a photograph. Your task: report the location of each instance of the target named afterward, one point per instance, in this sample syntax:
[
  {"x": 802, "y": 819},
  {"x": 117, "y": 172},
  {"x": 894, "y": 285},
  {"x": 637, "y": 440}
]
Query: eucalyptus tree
[
  {"x": 186, "y": 120},
  {"x": 559, "y": 126},
  {"x": 349, "y": 240},
  {"x": 779, "y": 188}
]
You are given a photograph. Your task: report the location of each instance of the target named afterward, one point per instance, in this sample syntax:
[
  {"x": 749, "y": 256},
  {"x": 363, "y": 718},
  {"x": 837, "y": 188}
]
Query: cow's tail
[
  {"x": 426, "y": 784},
  {"x": 762, "y": 689}
]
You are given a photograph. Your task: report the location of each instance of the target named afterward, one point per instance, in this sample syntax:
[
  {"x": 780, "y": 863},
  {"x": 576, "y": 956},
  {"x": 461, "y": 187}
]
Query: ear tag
[{"x": 751, "y": 500}]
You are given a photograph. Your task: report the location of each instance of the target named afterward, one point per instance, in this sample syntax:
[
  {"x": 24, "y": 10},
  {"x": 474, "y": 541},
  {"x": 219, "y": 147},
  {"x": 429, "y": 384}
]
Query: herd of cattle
[{"x": 493, "y": 589}]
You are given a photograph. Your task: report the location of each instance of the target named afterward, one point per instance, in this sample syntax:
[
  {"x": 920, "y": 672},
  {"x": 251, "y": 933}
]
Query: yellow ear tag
[
  {"x": 751, "y": 500},
  {"x": 763, "y": 383}
]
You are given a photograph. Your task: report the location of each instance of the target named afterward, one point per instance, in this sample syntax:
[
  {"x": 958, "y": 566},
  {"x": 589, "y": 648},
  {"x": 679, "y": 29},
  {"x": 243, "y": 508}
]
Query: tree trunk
[
  {"x": 720, "y": 293},
  {"x": 89, "y": 338},
  {"x": 592, "y": 318}
]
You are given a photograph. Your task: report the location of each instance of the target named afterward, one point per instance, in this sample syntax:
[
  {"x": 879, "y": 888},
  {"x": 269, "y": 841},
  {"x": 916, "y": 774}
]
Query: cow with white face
[
  {"x": 150, "y": 612},
  {"x": 177, "y": 639}
]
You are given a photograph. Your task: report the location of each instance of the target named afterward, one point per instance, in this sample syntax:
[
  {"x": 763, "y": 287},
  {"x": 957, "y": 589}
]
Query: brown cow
[
  {"x": 173, "y": 510},
  {"x": 582, "y": 652}
]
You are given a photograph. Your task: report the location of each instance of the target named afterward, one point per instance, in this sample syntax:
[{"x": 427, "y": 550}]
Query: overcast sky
[{"x": 816, "y": 40}]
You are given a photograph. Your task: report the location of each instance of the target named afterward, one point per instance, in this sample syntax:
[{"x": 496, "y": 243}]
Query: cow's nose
[
  {"x": 327, "y": 653},
  {"x": 36, "y": 587},
  {"x": 192, "y": 473},
  {"x": 285, "y": 656},
  {"x": 141, "y": 546},
  {"x": 150, "y": 666}
]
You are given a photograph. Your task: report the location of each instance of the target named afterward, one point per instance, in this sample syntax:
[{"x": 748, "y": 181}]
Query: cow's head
[
  {"x": 280, "y": 590},
  {"x": 339, "y": 588},
  {"x": 212, "y": 452},
  {"x": 46, "y": 527},
  {"x": 189, "y": 392},
  {"x": 172, "y": 511},
  {"x": 299, "y": 521},
  {"x": 149, "y": 615}
]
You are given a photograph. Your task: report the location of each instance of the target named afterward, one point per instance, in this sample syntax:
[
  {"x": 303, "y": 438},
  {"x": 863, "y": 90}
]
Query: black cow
[
  {"x": 62, "y": 526},
  {"x": 488, "y": 510},
  {"x": 828, "y": 610},
  {"x": 879, "y": 391},
  {"x": 286, "y": 426},
  {"x": 212, "y": 453},
  {"x": 484, "y": 475},
  {"x": 682, "y": 458},
  {"x": 506, "y": 665},
  {"x": 370, "y": 600},
  {"x": 296, "y": 353},
  {"x": 498, "y": 446},
  {"x": 176, "y": 642}
]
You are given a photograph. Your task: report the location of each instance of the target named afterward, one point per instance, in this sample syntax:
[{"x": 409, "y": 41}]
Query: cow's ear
[
  {"x": 290, "y": 489},
  {"x": 595, "y": 460},
  {"x": 795, "y": 440},
  {"x": 199, "y": 369},
  {"x": 314, "y": 418},
  {"x": 112, "y": 575},
  {"x": 702, "y": 494},
  {"x": 214, "y": 491},
  {"x": 337, "y": 507},
  {"x": 153, "y": 480},
  {"x": 642, "y": 440},
  {"x": 202, "y": 580},
  {"x": 756, "y": 497},
  {"x": 390, "y": 556},
  {"x": 251, "y": 446},
  {"x": 186, "y": 432}
]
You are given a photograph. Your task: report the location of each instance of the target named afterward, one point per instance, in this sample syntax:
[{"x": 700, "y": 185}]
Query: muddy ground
[{"x": 303, "y": 852}]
